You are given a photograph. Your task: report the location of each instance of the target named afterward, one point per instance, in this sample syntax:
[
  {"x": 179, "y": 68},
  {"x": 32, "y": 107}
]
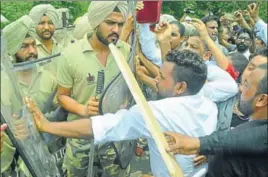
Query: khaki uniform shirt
[
  {"x": 42, "y": 86},
  {"x": 43, "y": 52},
  {"x": 79, "y": 68}
]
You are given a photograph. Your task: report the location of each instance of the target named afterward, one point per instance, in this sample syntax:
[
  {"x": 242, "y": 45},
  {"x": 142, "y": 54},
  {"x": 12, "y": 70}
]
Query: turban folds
[
  {"x": 97, "y": 12},
  {"x": 16, "y": 32},
  {"x": 39, "y": 11}
]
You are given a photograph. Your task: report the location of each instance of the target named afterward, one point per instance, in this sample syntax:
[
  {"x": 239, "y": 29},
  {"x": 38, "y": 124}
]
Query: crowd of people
[{"x": 205, "y": 81}]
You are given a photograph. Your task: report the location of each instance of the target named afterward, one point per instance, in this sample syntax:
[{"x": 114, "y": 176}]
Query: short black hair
[
  {"x": 189, "y": 68},
  {"x": 239, "y": 61},
  {"x": 263, "y": 84},
  {"x": 180, "y": 26},
  {"x": 210, "y": 18},
  {"x": 244, "y": 30},
  {"x": 263, "y": 52}
]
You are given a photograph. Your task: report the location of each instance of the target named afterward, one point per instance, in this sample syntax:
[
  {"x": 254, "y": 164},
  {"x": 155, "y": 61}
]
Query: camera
[{"x": 188, "y": 11}]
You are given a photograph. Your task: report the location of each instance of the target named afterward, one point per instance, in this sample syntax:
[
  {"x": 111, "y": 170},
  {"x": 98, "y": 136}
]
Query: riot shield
[
  {"x": 117, "y": 96},
  {"x": 21, "y": 128}
]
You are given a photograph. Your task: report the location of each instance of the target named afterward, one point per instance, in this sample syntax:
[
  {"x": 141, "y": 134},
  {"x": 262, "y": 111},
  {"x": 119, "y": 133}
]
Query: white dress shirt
[
  {"x": 148, "y": 44},
  {"x": 220, "y": 86},
  {"x": 246, "y": 54},
  {"x": 261, "y": 30},
  {"x": 190, "y": 115}
]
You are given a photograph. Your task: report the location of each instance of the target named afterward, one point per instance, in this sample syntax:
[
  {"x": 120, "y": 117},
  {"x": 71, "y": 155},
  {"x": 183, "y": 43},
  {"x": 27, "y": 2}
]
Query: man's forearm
[
  {"x": 251, "y": 23},
  {"x": 165, "y": 48},
  {"x": 256, "y": 19},
  {"x": 244, "y": 24},
  {"x": 221, "y": 60},
  {"x": 76, "y": 129},
  {"x": 71, "y": 105},
  {"x": 125, "y": 35},
  {"x": 251, "y": 141},
  {"x": 252, "y": 48}
]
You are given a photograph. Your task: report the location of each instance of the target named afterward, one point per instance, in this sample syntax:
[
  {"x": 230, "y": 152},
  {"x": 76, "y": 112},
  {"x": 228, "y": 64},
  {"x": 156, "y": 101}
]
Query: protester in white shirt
[
  {"x": 220, "y": 86},
  {"x": 180, "y": 110}
]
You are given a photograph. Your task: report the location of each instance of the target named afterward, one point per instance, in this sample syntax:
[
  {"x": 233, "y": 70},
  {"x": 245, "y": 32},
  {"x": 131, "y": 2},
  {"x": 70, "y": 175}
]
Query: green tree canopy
[
  {"x": 14, "y": 10},
  {"x": 176, "y": 8}
]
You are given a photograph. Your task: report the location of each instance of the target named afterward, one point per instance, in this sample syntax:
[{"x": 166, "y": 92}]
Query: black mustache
[
  {"x": 46, "y": 31},
  {"x": 113, "y": 34},
  {"x": 241, "y": 45},
  {"x": 32, "y": 56}
]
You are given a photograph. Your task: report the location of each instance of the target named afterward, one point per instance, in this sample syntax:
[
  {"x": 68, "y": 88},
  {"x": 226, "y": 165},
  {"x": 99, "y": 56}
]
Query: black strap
[{"x": 117, "y": 159}]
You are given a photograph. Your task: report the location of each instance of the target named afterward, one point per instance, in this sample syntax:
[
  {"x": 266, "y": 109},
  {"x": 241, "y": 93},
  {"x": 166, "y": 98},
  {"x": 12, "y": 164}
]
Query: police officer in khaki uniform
[
  {"x": 77, "y": 76},
  {"x": 46, "y": 20},
  {"x": 34, "y": 82}
]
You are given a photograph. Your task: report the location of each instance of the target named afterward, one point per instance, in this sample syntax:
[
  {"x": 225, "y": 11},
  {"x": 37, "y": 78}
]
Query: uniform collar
[{"x": 38, "y": 42}]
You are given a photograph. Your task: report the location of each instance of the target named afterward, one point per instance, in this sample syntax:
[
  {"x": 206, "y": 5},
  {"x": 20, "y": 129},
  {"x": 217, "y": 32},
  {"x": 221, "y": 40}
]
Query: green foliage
[
  {"x": 203, "y": 7},
  {"x": 3, "y": 24},
  {"x": 14, "y": 10},
  {"x": 76, "y": 8}
]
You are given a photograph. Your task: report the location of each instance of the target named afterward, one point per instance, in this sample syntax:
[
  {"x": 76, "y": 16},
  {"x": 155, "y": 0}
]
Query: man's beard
[
  {"x": 30, "y": 58},
  {"x": 245, "y": 107},
  {"x": 163, "y": 93},
  {"x": 42, "y": 36},
  {"x": 105, "y": 41},
  {"x": 242, "y": 47}
]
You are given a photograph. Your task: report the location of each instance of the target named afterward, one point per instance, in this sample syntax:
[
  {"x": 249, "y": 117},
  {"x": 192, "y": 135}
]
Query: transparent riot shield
[
  {"x": 21, "y": 127},
  {"x": 117, "y": 96}
]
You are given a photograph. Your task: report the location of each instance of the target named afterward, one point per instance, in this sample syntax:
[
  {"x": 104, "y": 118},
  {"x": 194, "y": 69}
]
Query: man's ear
[
  {"x": 262, "y": 100},
  {"x": 180, "y": 88}
]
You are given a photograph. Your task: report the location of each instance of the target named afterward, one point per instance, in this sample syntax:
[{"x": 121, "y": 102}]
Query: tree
[
  {"x": 14, "y": 10},
  {"x": 201, "y": 8}
]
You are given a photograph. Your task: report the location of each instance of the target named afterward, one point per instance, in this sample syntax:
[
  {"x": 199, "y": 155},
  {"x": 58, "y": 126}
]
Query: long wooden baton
[{"x": 152, "y": 124}]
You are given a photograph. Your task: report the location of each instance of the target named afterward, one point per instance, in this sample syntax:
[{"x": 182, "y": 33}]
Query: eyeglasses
[{"x": 245, "y": 39}]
